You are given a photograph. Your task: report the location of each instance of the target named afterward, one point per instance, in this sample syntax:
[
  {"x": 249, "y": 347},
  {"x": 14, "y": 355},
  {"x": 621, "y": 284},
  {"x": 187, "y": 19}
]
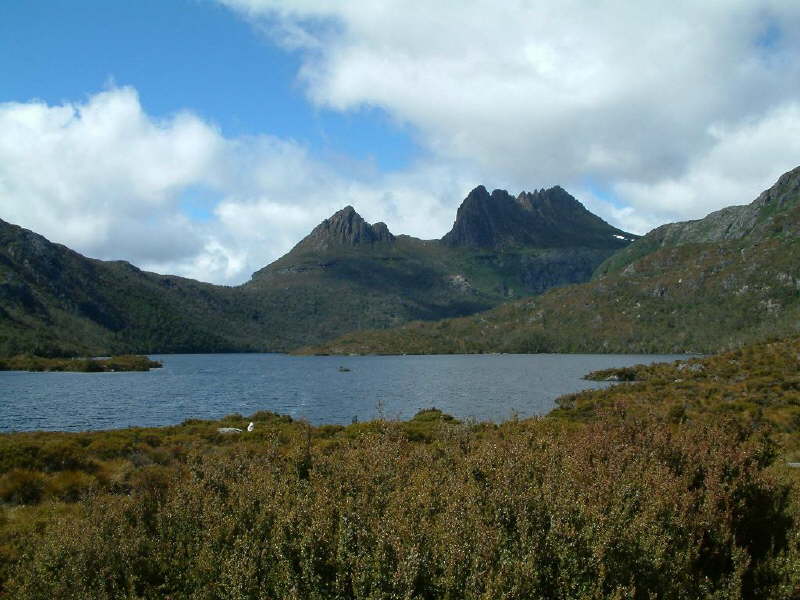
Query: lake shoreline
[{"x": 318, "y": 389}]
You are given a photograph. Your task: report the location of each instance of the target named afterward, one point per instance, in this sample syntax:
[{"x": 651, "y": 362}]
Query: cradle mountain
[
  {"x": 698, "y": 286},
  {"x": 345, "y": 275}
]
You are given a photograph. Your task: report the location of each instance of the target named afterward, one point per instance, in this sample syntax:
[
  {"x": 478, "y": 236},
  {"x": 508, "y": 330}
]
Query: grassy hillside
[{"x": 615, "y": 495}]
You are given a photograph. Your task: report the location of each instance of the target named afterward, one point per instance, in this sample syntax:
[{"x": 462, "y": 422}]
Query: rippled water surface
[{"x": 484, "y": 387}]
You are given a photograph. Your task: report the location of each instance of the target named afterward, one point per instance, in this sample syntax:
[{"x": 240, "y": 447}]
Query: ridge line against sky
[{"x": 205, "y": 138}]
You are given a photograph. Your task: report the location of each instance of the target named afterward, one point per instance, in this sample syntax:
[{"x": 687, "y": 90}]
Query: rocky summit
[
  {"x": 345, "y": 228},
  {"x": 550, "y": 218}
]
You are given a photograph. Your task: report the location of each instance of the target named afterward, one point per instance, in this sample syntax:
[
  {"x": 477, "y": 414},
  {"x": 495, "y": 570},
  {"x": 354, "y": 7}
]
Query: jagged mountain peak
[
  {"x": 543, "y": 218},
  {"x": 477, "y": 191},
  {"x": 554, "y": 197},
  {"x": 345, "y": 228}
]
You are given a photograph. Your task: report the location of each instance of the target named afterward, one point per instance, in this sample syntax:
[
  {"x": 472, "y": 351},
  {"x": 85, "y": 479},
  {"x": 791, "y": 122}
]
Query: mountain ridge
[
  {"x": 727, "y": 224},
  {"x": 346, "y": 274},
  {"x": 698, "y": 286}
]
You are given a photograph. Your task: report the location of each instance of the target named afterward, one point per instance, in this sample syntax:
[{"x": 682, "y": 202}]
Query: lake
[{"x": 210, "y": 386}]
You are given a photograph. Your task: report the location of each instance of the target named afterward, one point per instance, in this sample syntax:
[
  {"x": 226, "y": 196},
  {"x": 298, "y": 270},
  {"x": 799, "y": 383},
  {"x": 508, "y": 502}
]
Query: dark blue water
[{"x": 209, "y": 386}]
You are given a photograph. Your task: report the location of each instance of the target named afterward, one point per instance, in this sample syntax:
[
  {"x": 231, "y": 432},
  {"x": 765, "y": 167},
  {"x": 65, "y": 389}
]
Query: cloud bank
[
  {"x": 676, "y": 108},
  {"x": 647, "y": 112},
  {"x": 110, "y": 181}
]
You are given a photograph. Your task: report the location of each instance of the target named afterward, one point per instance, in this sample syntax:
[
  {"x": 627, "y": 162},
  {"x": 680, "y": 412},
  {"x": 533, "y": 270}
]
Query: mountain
[
  {"x": 768, "y": 215},
  {"x": 55, "y": 301},
  {"x": 546, "y": 218},
  {"x": 345, "y": 228},
  {"x": 346, "y": 274},
  {"x": 697, "y": 286}
]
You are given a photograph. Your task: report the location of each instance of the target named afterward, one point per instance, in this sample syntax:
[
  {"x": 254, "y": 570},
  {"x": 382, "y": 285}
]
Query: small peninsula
[{"x": 127, "y": 362}]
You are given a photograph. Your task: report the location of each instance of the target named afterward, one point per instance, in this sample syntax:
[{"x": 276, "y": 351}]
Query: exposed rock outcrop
[
  {"x": 345, "y": 228},
  {"x": 549, "y": 218}
]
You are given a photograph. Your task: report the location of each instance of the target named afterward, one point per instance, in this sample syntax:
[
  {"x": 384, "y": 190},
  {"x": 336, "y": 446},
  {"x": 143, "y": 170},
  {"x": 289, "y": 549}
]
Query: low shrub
[
  {"x": 110, "y": 446},
  {"x": 70, "y": 486},
  {"x": 28, "y": 362},
  {"x": 151, "y": 481},
  {"x": 65, "y": 455},
  {"x": 21, "y": 486}
]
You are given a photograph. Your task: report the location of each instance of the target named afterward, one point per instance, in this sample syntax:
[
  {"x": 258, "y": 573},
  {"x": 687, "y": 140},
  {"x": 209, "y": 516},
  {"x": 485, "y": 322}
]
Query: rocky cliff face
[
  {"x": 549, "y": 218},
  {"x": 487, "y": 221}
]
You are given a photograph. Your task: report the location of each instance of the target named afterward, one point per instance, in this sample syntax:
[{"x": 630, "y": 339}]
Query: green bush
[
  {"x": 65, "y": 455},
  {"x": 110, "y": 446},
  {"x": 70, "y": 486},
  {"x": 20, "y": 486},
  {"x": 151, "y": 481}
]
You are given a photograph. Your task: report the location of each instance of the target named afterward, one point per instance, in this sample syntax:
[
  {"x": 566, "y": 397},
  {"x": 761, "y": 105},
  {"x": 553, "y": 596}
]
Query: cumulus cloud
[
  {"x": 638, "y": 95},
  {"x": 749, "y": 155},
  {"x": 103, "y": 177},
  {"x": 108, "y": 180}
]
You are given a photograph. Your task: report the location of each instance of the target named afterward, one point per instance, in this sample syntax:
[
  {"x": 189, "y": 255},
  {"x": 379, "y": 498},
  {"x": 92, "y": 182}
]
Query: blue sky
[
  {"x": 179, "y": 55},
  {"x": 206, "y": 137}
]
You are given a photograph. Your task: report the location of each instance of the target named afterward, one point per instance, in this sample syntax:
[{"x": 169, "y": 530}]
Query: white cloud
[
  {"x": 674, "y": 111},
  {"x": 537, "y": 92},
  {"x": 745, "y": 159},
  {"x": 102, "y": 176},
  {"x": 108, "y": 180}
]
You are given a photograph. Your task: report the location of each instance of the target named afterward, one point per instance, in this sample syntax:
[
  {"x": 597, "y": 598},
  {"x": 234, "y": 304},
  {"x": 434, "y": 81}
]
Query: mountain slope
[
  {"x": 686, "y": 287},
  {"x": 769, "y": 214},
  {"x": 353, "y": 275},
  {"x": 55, "y": 301},
  {"x": 345, "y": 275}
]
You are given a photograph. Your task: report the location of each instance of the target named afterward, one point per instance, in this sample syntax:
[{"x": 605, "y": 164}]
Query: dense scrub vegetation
[
  {"x": 758, "y": 386},
  {"x": 126, "y": 362},
  {"x": 426, "y": 509},
  {"x": 662, "y": 488},
  {"x": 693, "y": 298}
]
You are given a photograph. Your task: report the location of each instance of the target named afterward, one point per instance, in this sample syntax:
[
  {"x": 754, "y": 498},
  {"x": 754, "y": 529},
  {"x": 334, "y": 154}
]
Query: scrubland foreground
[{"x": 674, "y": 487}]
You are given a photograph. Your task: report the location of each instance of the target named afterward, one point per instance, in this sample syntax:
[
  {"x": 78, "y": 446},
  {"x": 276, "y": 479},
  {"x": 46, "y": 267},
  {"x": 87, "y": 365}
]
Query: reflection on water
[{"x": 209, "y": 386}]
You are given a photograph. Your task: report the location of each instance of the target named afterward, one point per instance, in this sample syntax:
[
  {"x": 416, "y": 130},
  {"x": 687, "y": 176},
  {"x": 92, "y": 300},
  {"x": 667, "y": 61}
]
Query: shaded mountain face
[
  {"x": 699, "y": 286},
  {"x": 55, "y": 301},
  {"x": 345, "y": 275},
  {"x": 549, "y": 218}
]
